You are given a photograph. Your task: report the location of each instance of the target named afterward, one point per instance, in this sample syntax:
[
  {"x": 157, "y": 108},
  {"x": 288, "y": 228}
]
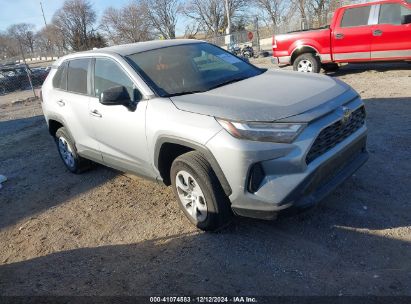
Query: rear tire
[
  {"x": 330, "y": 67},
  {"x": 307, "y": 63},
  {"x": 264, "y": 54},
  {"x": 199, "y": 192},
  {"x": 68, "y": 152}
]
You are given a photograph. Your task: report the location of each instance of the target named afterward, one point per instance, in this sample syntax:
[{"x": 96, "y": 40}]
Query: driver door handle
[{"x": 96, "y": 113}]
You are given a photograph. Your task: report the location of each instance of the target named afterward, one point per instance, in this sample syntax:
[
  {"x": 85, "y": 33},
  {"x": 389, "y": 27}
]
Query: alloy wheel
[
  {"x": 191, "y": 196},
  {"x": 305, "y": 66},
  {"x": 66, "y": 152}
]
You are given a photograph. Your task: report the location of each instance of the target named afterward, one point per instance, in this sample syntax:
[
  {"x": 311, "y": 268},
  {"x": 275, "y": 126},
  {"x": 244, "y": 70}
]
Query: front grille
[{"x": 336, "y": 133}]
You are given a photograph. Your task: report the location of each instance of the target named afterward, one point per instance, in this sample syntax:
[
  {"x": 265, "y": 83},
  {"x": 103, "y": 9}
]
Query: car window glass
[
  {"x": 188, "y": 68},
  {"x": 108, "y": 74},
  {"x": 77, "y": 76},
  {"x": 207, "y": 62},
  {"x": 392, "y": 13},
  {"x": 60, "y": 78},
  {"x": 356, "y": 16}
]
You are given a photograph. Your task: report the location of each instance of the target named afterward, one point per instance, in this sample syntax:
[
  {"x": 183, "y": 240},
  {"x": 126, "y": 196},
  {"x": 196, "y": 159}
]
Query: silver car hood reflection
[{"x": 271, "y": 96}]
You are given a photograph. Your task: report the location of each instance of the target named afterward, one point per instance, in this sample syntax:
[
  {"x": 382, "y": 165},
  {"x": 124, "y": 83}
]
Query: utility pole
[
  {"x": 227, "y": 10},
  {"x": 228, "y": 37},
  {"x": 44, "y": 17},
  {"x": 48, "y": 47},
  {"x": 257, "y": 31}
]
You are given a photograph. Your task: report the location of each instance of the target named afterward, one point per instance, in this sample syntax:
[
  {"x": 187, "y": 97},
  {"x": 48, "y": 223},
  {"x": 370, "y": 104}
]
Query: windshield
[{"x": 190, "y": 68}]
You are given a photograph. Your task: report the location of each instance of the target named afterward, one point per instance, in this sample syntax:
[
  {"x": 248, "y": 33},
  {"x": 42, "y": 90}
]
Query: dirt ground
[{"x": 102, "y": 233}]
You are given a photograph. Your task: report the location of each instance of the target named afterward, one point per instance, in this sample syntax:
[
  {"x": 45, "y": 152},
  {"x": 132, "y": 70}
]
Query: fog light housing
[{"x": 256, "y": 177}]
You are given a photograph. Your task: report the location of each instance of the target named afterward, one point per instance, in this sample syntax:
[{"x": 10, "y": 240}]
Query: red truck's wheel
[{"x": 307, "y": 63}]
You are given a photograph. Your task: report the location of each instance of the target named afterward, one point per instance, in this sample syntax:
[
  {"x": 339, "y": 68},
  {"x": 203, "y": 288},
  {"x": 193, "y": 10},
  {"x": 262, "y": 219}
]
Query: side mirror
[
  {"x": 119, "y": 96},
  {"x": 406, "y": 19}
]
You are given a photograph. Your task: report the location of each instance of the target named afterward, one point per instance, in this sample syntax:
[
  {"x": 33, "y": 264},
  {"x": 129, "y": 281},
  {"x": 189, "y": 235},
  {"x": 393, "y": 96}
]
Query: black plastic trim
[{"x": 198, "y": 147}]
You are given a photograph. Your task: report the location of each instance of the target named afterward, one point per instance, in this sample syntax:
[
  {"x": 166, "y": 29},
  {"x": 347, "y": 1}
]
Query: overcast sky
[{"x": 29, "y": 11}]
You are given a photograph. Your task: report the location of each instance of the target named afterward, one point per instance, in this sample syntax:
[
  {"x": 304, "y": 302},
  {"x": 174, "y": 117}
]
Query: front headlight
[{"x": 263, "y": 131}]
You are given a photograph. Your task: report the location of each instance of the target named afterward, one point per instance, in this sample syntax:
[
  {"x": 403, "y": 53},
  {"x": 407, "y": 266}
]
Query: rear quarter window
[
  {"x": 60, "y": 78},
  {"x": 356, "y": 16}
]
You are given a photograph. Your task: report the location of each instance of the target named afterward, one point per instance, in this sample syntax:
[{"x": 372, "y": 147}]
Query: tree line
[{"x": 74, "y": 27}]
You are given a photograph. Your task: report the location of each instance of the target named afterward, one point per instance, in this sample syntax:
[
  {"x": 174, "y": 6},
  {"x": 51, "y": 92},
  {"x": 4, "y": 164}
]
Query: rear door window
[
  {"x": 77, "y": 76},
  {"x": 392, "y": 13},
  {"x": 356, "y": 16}
]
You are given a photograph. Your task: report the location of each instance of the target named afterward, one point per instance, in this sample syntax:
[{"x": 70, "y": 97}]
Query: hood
[{"x": 270, "y": 96}]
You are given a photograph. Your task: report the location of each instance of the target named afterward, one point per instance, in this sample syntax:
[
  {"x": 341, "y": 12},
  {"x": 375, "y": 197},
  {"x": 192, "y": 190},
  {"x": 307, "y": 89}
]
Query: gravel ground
[{"x": 103, "y": 233}]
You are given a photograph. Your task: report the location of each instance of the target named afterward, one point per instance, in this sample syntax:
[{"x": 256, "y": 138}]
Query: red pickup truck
[{"x": 374, "y": 31}]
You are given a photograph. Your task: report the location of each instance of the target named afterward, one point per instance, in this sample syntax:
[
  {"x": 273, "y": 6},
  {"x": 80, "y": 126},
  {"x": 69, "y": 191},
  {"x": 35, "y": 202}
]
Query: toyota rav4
[{"x": 227, "y": 136}]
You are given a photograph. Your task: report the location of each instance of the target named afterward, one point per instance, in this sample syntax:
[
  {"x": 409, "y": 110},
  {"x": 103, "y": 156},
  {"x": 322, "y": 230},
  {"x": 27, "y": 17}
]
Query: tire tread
[
  {"x": 82, "y": 164},
  {"x": 199, "y": 164}
]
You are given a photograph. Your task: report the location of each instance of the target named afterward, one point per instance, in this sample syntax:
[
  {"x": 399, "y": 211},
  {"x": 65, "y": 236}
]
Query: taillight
[{"x": 274, "y": 42}]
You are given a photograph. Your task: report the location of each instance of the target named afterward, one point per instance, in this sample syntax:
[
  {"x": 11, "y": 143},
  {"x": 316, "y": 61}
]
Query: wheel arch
[
  {"x": 168, "y": 148},
  {"x": 302, "y": 49},
  {"x": 53, "y": 125}
]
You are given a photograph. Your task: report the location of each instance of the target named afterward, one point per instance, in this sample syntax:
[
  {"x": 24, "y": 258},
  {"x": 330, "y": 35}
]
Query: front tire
[
  {"x": 307, "y": 63},
  {"x": 68, "y": 152},
  {"x": 199, "y": 192}
]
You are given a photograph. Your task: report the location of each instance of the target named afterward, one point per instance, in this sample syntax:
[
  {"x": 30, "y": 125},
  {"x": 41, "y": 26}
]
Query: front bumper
[
  {"x": 288, "y": 181},
  {"x": 320, "y": 183}
]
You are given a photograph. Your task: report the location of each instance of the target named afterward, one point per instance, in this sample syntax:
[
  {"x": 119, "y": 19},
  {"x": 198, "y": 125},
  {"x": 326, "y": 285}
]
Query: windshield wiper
[{"x": 184, "y": 93}]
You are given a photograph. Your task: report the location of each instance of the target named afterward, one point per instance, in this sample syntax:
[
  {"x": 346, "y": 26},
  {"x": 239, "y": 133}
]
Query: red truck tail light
[{"x": 274, "y": 42}]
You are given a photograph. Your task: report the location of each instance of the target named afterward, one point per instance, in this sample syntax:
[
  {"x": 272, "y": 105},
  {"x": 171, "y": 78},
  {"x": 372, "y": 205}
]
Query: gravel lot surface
[{"x": 102, "y": 233}]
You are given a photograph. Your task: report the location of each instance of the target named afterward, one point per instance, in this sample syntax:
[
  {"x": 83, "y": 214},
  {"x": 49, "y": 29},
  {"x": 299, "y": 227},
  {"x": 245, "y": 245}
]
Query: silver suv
[{"x": 227, "y": 136}]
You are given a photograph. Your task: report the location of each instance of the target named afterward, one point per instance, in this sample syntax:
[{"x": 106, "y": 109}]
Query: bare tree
[
  {"x": 322, "y": 9},
  {"x": 57, "y": 39},
  {"x": 163, "y": 15},
  {"x": 315, "y": 12},
  {"x": 302, "y": 8},
  {"x": 8, "y": 46},
  {"x": 235, "y": 7},
  {"x": 210, "y": 14},
  {"x": 126, "y": 25},
  {"x": 23, "y": 33},
  {"x": 191, "y": 31},
  {"x": 274, "y": 8},
  {"x": 319, "y": 9},
  {"x": 75, "y": 20},
  {"x": 42, "y": 43}
]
